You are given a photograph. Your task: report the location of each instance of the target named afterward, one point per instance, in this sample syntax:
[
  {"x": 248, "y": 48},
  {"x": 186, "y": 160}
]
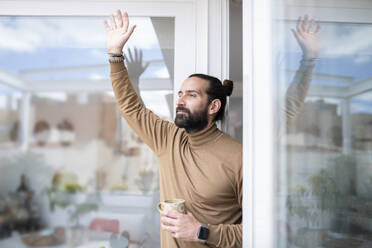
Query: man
[{"x": 197, "y": 162}]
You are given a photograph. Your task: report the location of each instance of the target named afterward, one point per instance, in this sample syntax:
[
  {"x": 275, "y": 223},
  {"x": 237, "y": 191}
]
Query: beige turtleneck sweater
[{"x": 204, "y": 168}]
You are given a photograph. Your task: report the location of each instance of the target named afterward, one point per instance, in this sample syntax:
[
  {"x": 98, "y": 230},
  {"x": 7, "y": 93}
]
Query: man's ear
[{"x": 214, "y": 107}]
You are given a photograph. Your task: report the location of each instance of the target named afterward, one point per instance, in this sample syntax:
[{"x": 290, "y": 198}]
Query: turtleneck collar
[{"x": 208, "y": 134}]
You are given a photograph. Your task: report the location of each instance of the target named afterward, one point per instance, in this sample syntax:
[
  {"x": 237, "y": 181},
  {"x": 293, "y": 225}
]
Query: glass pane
[
  {"x": 85, "y": 179},
  {"x": 235, "y": 110},
  {"x": 324, "y": 147}
]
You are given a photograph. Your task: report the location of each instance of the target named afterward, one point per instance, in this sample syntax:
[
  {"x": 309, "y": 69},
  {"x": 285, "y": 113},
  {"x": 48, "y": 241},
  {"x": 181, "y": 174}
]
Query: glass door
[
  {"x": 72, "y": 172},
  {"x": 308, "y": 153}
]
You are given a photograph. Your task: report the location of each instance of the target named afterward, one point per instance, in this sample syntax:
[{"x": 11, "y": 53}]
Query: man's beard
[{"x": 191, "y": 122}]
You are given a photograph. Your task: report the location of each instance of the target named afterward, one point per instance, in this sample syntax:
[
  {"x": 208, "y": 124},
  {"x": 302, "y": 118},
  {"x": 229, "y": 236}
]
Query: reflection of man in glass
[
  {"x": 307, "y": 38},
  {"x": 197, "y": 162}
]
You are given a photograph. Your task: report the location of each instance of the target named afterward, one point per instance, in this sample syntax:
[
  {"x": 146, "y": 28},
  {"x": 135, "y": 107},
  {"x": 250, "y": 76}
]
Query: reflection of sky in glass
[
  {"x": 156, "y": 102},
  {"x": 40, "y": 43},
  {"x": 345, "y": 52},
  {"x": 8, "y": 100},
  {"x": 6, "y": 90},
  {"x": 361, "y": 103}
]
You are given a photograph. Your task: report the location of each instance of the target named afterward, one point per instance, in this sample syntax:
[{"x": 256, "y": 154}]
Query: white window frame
[{"x": 257, "y": 130}]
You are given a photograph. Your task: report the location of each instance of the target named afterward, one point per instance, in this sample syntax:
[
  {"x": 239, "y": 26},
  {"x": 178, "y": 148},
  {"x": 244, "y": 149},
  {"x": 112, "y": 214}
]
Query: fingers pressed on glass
[
  {"x": 299, "y": 24},
  {"x": 311, "y": 26},
  {"x": 120, "y": 19},
  {"x": 136, "y": 53},
  {"x": 318, "y": 27},
  {"x": 107, "y": 26},
  {"x": 113, "y": 23},
  {"x": 305, "y": 22},
  {"x": 126, "y": 21},
  {"x": 130, "y": 54}
]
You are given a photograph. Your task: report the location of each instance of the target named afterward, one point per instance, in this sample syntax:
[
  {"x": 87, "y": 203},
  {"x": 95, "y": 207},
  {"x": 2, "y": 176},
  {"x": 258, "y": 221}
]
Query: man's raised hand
[
  {"x": 118, "y": 33},
  {"x": 307, "y": 37}
]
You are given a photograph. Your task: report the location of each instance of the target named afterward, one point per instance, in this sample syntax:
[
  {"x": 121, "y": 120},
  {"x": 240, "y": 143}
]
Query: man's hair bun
[{"x": 228, "y": 86}]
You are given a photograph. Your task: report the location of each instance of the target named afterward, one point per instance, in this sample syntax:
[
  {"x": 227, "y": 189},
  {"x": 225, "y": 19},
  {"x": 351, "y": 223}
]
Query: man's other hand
[{"x": 181, "y": 226}]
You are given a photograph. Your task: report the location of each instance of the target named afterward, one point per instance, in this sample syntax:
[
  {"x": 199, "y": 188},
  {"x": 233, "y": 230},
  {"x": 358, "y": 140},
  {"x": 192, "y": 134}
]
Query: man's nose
[{"x": 180, "y": 101}]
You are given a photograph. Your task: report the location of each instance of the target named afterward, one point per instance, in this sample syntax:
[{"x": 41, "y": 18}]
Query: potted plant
[{"x": 62, "y": 194}]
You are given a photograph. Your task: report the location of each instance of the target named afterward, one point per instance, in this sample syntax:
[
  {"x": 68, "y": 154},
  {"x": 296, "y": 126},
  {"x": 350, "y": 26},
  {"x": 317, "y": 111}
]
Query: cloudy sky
[
  {"x": 54, "y": 42},
  {"x": 344, "y": 50}
]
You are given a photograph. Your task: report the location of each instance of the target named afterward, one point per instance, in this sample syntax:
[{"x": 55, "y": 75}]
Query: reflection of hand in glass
[
  {"x": 135, "y": 66},
  {"x": 134, "y": 63},
  {"x": 306, "y": 37}
]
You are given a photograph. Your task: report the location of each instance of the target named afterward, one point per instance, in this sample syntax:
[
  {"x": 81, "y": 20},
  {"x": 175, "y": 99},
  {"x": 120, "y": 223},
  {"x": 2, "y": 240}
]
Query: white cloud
[
  {"x": 24, "y": 40},
  {"x": 161, "y": 73},
  {"x": 362, "y": 59},
  {"x": 57, "y": 96},
  {"x": 27, "y": 34},
  {"x": 364, "y": 97},
  {"x": 360, "y": 108},
  {"x": 356, "y": 41},
  {"x": 335, "y": 40},
  {"x": 98, "y": 54},
  {"x": 96, "y": 76},
  {"x": 362, "y": 103}
]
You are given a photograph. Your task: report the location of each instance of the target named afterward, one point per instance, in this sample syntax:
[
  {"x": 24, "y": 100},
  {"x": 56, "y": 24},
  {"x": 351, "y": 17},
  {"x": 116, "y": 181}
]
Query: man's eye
[{"x": 192, "y": 95}]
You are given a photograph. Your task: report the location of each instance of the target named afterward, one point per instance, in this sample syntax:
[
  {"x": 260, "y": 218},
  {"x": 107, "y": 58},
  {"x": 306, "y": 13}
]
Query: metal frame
[
  {"x": 248, "y": 126},
  {"x": 258, "y": 200}
]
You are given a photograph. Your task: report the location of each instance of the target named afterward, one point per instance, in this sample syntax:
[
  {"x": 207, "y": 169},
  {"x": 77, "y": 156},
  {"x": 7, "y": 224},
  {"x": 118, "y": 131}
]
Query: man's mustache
[{"x": 183, "y": 109}]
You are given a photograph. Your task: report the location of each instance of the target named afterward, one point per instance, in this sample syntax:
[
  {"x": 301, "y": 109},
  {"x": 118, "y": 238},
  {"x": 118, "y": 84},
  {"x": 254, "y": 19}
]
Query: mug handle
[
  {"x": 181, "y": 209},
  {"x": 160, "y": 208}
]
